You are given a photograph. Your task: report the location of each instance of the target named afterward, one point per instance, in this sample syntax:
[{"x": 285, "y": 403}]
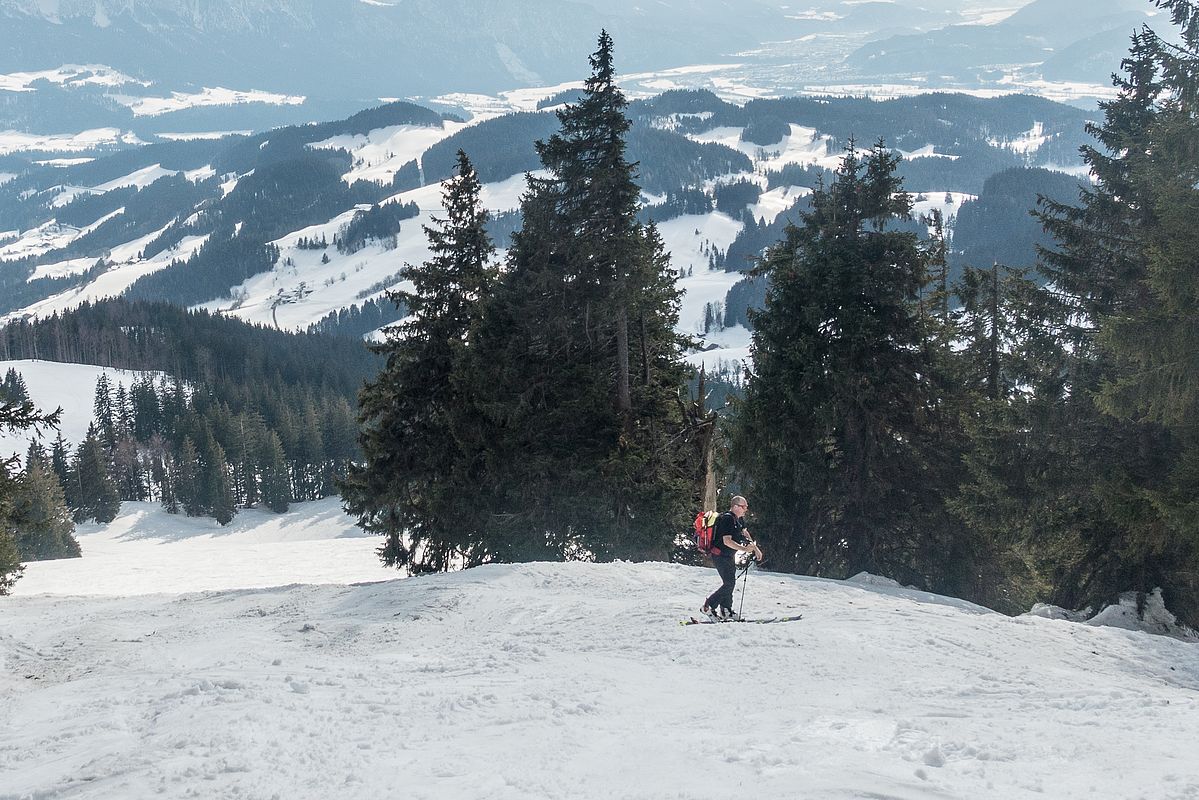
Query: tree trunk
[{"x": 624, "y": 401}]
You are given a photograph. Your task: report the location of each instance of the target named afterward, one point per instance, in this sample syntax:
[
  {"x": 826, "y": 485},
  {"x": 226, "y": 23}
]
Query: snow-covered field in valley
[{"x": 550, "y": 681}]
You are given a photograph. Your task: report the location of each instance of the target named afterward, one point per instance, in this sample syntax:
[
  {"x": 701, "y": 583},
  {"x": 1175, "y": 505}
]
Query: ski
[{"x": 766, "y": 621}]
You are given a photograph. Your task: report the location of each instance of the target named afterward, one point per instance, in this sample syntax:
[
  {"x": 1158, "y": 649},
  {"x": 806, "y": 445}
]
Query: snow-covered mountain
[
  {"x": 368, "y": 49},
  {"x": 553, "y": 680},
  {"x": 147, "y": 67},
  {"x": 129, "y": 223}
]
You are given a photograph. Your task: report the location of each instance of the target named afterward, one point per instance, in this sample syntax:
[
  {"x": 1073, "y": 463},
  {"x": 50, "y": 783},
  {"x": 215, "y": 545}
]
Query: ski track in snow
[{"x": 576, "y": 681}]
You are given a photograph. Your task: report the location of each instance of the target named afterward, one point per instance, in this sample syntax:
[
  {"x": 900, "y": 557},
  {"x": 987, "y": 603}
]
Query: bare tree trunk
[{"x": 624, "y": 400}]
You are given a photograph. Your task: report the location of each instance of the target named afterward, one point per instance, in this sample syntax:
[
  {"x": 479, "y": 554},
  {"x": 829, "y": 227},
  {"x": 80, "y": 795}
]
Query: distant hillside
[{"x": 314, "y": 223}]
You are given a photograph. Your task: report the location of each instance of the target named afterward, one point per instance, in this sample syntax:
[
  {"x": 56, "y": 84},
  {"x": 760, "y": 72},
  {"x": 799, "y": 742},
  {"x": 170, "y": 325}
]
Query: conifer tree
[
  {"x": 10, "y": 558},
  {"x": 97, "y": 496},
  {"x": 145, "y": 409},
  {"x": 1126, "y": 260},
  {"x": 35, "y": 454},
  {"x": 187, "y": 479},
  {"x": 40, "y": 517},
  {"x": 272, "y": 466},
  {"x": 1015, "y": 407},
  {"x": 13, "y": 387},
  {"x": 167, "y": 476},
  {"x": 216, "y": 485},
  {"x": 416, "y": 485},
  {"x": 103, "y": 412},
  {"x": 840, "y": 433},
  {"x": 60, "y": 462},
  {"x": 583, "y": 367},
  {"x": 15, "y": 415}
]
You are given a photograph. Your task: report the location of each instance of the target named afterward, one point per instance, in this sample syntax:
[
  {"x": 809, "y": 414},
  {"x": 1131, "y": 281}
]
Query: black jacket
[{"x": 727, "y": 524}]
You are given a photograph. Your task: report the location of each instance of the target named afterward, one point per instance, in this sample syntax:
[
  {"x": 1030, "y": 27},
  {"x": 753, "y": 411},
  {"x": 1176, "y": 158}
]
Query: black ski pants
[{"x": 723, "y": 597}]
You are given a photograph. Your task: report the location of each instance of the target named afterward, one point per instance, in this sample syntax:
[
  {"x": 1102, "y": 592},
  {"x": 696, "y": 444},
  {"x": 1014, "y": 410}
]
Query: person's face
[{"x": 739, "y": 509}]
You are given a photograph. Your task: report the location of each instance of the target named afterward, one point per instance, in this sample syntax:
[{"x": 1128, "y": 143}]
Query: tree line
[{"x": 991, "y": 437}]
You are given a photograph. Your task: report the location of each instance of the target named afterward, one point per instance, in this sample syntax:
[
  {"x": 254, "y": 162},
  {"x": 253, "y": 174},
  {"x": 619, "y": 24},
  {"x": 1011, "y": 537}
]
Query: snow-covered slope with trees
[
  {"x": 395, "y": 156},
  {"x": 70, "y": 387},
  {"x": 552, "y": 680}
]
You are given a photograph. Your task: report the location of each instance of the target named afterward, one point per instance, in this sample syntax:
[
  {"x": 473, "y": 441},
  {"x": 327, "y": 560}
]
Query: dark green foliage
[
  {"x": 406, "y": 178},
  {"x": 564, "y": 96},
  {"x": 272, "y": 466},
  {"x": 577, "y": 360},
  {"x": 14, "y": 416},
  {"x": 1125, "y": 263},
  {"x": 499, "y": 148},
  {"x": 754, "y": 238},
  {"x": 665, "y": 160},
  {"x": 690, "y": 103},
  {"x": 94, "y": 493},
  {"x": 356, "y": 322},
  {"x": 808, "y": 176},
  {"x": 747, "y": 294},
  {"x": 999, "y": 226},
  {"x": 975, "y": 163},
  {"x": 223, "y": 261},
  {"x": 419, "y": 484},
  {"x": 733, "y": 198},
  {"x": 380, "y": 222},
  {"x": 840, "y": 433},
  {"x": 87, "y": 208},
  {"x": 285, "y": 144},
  {"x": 215, "y": 487},
  {"x": 287, "y": 195},
  {"x": 1017, "y": 496},
  {"x": 687, "y": 201},
  {"x": 765, "y": 130},
  {"x": 502, "y": 225},
  {"x": 40, "y": 517},
  {"x": 193, "y": 346},
  {"x": 13, "y": 388},
  {"x": 249, "y": 389},
  {"x": 10, "y": 557}
]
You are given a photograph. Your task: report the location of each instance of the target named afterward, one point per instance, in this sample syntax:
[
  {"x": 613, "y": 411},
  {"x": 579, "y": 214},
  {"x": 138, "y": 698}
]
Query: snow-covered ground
[
  {"x": 83, "y": 142},
  {"x": 551, "y": 681},
  {"x": 208, "y": 96},
  {"x": 147, "y": 551}
]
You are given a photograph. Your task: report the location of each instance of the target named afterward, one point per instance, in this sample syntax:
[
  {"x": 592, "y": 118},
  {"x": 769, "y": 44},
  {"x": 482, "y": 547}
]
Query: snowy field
[{"x": 551, "y": 681}]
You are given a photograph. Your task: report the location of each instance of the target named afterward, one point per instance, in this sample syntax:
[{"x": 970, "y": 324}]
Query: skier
[{"x": 732, "y": 537}]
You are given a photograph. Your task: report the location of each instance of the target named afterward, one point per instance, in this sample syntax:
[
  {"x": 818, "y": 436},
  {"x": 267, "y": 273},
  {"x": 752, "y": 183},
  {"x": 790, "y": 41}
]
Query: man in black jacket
[{"x": 730, "y": 535}]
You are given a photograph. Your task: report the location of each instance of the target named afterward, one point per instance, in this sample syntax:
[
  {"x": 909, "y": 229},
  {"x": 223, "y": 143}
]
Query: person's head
[{"x": 739, "y": 506}]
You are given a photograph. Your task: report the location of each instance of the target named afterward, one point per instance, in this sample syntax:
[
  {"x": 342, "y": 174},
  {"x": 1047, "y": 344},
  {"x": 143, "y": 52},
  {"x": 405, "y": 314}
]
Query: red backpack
[{"x": 705, "y": 522}]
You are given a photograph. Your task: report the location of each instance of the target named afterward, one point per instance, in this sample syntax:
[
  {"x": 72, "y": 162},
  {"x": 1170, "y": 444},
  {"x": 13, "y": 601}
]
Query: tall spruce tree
[
  {"x": 1126, "y": 260},
  {"x": 97, "y": 497},
  {"x": 186, "y": 478},
  {"x": 104, "y": 412},
  {"x": 581, "y": 364},
  {"x": 60, "y": 462},
  {"x": 40, "y": 517},
  {"x": 840, "y": 433},
  {"x": 418, "y": 486},
  {"x": 15, "y": 415},
  {"x": 272, "y": 469},
  {"x": 216, "y": 487}
]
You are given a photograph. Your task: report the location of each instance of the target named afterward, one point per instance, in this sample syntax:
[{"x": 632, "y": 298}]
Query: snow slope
[
  {"x": 71, "y": 387},
  {"x": 559, "y": 681}
]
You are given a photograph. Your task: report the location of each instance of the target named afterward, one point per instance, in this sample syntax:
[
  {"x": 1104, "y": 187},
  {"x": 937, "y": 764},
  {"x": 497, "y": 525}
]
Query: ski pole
[{"x": 744, "y": 582}]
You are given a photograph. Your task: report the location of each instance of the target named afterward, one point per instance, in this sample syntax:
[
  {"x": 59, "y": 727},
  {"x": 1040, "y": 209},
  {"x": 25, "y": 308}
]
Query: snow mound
[
  {"x": 1155, "y": 617},
  {"x": 866, "y": 579}
]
